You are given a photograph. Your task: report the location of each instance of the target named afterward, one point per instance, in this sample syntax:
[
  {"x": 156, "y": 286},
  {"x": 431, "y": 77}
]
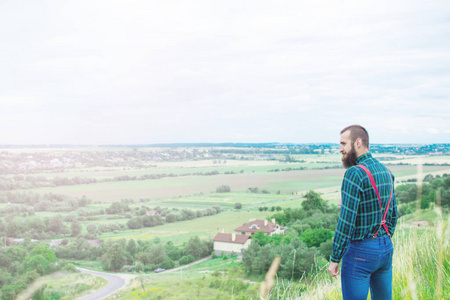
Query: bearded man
[{"x": 367, "y": 221}]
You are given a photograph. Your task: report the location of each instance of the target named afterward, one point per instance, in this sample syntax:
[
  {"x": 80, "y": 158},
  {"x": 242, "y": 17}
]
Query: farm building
[
  {"x": 16, "y": 241},
  {"x": 230, "y": 243},
  {"x": 55, "y": 243},
  {"x": 252, "y": 227}
]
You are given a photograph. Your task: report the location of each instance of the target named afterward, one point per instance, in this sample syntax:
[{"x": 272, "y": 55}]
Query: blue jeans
[{"x": 368, "y": 263}]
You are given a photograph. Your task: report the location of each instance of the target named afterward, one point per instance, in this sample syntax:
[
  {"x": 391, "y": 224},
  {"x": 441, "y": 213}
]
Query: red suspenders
[{"x": 372, "y": 181}]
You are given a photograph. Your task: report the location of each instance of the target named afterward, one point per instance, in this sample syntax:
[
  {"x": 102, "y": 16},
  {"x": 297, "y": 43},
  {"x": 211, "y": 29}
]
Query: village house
[
  {"x": 227, "y": 243},
  {"x": 252, "y": 227},
  {"x": 16, "y": 241},
  {"x": 151, "y": 212},
  {"x": 55, "y": 243},
  {"x": 95, "y": 243}
]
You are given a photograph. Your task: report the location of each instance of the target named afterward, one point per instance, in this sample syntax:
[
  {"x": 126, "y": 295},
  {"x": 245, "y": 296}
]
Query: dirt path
[{"x": 188, "y": 265}]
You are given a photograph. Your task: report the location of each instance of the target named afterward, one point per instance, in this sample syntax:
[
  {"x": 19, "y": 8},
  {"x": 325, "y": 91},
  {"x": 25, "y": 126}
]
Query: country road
[
  {"x": 115, "y": 283},
  {"x": 119, "y": 280}
]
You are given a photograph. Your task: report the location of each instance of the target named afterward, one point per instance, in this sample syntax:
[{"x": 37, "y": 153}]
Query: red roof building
[
  {"x": 269, "y": 228},
  {"x": 230, "y": 243}
]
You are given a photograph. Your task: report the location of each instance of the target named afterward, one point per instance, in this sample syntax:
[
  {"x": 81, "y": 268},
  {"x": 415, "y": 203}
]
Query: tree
[
  {"x": 248, "y": 256},
  {"x": 170, "y": 218},
  {"x": 91, "y": 229},
  {"x": 326, "y": 248},
  {"x": 314, "y": 201},
  {"x": 38, "y": 263},
  {"x": 428, "y": 178},
  {"x": 132, "y": 247},
  {"x": 114, "y": 258},
  {"x": 260, "y": 238},
  {"x": 172, "y": 251},
  {"x": 314, "y": 237},
  {"x": 223, "y": 189},
  {"x": 45, "y": 251},
  {"x": 406, "y": 193},
  {"x": 157, "y": 254},
  {"x": 76, "y": 228},
  {"x": 36, "y": 225},
  {"x": 117, "y": 208},
  {"x": 237, "y": 205},
  {"x": 186, "y": 259},
  {"x": 197, "y": 248},
  {"x": 14, "y": 226},
  {"x": 56, "y": 224},
  {"x": 12, "y": 258},
  {"x": 135, "y": 223}
]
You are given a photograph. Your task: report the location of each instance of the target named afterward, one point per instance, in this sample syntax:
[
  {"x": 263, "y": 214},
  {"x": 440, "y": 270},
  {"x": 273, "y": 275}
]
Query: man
[{"x": 361, "y": 239}]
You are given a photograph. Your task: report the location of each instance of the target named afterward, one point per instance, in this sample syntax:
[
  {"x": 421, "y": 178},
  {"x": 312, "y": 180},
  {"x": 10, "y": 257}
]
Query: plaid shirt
[{"x": 360, "y": 216}]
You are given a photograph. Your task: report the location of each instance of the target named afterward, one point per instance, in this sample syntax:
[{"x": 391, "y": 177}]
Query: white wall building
[{"x": 230, "y": 243}]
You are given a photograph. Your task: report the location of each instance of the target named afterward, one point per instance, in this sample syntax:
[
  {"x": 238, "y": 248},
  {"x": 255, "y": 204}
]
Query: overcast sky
[{"x": 141, "y": 72}]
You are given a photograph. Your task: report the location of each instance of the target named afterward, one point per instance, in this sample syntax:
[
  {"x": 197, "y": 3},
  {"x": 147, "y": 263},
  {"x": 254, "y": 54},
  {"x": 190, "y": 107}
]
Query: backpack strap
[{"x": 372, "y": 181}]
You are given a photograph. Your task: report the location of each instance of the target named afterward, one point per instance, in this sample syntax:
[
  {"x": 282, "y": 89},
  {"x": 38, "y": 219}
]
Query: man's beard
[{"x": 349, "y": 159}]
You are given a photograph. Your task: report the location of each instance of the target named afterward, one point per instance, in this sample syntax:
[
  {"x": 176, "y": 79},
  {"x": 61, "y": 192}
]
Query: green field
[
  {"x": 197, "y": 192},
  {"x": 286, "y": 182},
  {"x": 205, "y": 227}
]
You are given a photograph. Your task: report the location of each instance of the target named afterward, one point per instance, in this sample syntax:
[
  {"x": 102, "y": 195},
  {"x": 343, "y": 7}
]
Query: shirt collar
[{"x": 363, "y": 158}]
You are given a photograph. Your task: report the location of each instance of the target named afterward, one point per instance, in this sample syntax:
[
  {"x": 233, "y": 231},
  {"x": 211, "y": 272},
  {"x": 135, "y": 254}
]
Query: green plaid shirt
[{"x": 360, "y": 215}]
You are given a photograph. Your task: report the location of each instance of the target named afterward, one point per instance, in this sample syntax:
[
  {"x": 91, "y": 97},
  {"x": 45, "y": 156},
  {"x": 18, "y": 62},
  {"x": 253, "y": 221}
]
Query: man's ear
[{"x": 358, "y": 143}]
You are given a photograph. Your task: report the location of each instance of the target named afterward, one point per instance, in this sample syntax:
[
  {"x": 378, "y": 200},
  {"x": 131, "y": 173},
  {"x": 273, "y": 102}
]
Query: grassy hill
[{"x": 421, "y": 271}]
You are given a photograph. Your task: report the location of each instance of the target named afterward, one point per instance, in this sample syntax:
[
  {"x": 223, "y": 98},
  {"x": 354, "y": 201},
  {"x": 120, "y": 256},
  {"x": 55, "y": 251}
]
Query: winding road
[
  {"x": 115, "y": 283},
  {"x": 118, "y": 281}
]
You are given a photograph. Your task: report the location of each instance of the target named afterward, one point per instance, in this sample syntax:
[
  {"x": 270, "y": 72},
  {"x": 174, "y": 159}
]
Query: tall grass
[
  {"x": 421, "y": 268},
  {"x": 422, "y": 262}
]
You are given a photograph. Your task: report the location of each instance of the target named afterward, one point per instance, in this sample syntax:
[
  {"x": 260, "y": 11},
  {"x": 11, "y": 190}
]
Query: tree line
[
  {"x": 20, "y": 182},
  {"x": 434, "y": 190},
  {"x": 20, "y": 219}
]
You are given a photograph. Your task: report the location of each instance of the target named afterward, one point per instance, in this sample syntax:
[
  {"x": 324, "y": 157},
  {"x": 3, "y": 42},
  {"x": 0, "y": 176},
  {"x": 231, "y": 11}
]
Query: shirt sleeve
[{"x": 350, "y": 191}]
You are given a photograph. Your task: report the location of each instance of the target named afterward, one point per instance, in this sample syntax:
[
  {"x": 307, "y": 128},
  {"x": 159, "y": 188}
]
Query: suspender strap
[{"x": 372, "y": 181}]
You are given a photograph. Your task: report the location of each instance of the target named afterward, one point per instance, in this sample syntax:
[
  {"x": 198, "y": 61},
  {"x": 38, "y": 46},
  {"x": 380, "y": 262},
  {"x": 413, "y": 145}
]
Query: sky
[{"x": 143, "y": 72}]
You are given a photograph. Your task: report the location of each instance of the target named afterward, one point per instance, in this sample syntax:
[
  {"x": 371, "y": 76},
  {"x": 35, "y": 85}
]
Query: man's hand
[{"x": 334, "y": 269}]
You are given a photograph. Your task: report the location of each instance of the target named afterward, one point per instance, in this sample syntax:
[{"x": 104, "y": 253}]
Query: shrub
[
  {"x": 135, "y": 223},
  {"x": 223, "y": 189},
  {"x": 186, "y": 260},
  {"x": 69, "y": 267}
]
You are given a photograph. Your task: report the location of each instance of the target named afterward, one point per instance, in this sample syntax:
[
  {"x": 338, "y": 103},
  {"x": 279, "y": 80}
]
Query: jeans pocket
[{"x": 365, "y": 264}]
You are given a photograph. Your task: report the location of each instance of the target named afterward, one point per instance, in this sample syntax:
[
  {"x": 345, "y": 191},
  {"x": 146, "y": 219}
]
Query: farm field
[
  {"x": 286, "y": 182},
  {"x": 181, "y": 232},
  {"x": 71, "y": 200},
  {"x": 198, "y": 192}
]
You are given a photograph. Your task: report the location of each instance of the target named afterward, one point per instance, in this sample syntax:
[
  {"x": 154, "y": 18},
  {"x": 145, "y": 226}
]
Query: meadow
[{"x": 193, "y": 184}]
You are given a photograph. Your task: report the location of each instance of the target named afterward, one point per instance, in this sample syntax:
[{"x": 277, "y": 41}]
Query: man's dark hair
[{"x": 358, "y": 132}]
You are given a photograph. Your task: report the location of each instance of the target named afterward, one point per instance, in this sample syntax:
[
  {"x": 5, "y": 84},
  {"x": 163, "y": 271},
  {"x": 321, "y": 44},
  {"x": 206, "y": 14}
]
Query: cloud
[{"x": 179, "y": 71}]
